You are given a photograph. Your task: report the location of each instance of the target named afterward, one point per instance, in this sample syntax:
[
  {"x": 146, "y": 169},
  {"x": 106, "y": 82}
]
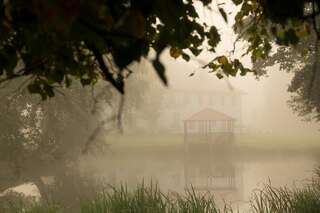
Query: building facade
[{"x": 178, "y": 105}]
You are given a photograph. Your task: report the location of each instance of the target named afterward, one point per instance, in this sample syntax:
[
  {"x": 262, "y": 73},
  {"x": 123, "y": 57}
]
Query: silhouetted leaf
[
  {"x": 223, "y": 13},
  {"x": 68, "y": 82},
  {"x": 160, "y": 69},
  {"x": 54, "y": 40},
  {"x": 34, "y": 88},
  {"x": 85, "y": 81},
  {"x": 185, "y": 56},
  {"x": 214, "y": 37},
  {"x": 48, "y": 90},
  {"x": 237, "y": 2},
  {"x": 195, "y": 51},
  {"x": 219, "y": 75}
]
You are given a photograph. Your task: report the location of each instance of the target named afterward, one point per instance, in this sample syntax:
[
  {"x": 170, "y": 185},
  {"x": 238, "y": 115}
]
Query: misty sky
[{"x": 265, "y": 106}]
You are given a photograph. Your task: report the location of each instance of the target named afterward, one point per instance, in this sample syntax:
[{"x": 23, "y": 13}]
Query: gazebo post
[{"x": 185, "y": 135}]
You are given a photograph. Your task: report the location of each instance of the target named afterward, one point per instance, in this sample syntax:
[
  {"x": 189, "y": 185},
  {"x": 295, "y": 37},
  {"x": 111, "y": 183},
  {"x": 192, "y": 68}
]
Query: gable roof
[{"x": 209, "y": 115}]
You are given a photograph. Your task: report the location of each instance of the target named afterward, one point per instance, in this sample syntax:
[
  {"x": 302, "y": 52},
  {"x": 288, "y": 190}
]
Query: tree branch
[
  {"x": 118, "y": 84},
  {"x": 314, "y": 21},
  {"x": 95, "y": 133},
  {"x": 120, "y": 112}
]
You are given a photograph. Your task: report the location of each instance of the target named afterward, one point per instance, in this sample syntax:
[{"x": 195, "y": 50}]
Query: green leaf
[
  {"x": 222, "y": 60},
  {"x": 244, "y": 71},
  {"x": 213, "y": 66},
  {"x": 175, "y": 52},
  {"x": 227, "y": 69}
]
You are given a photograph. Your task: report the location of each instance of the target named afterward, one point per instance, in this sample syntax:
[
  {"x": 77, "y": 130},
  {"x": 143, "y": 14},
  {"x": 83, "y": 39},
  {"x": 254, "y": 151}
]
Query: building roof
[{"x": 209, "y": 115}]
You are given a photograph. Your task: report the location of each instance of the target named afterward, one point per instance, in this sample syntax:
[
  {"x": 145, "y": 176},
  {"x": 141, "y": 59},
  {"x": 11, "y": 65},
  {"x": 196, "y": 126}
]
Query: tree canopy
[{"x": 55, "y": 42}]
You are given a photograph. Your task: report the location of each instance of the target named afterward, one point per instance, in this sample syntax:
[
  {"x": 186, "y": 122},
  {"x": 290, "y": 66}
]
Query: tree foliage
[
  {"x": 59, "y": 41},
  {"x": 46, "y": 138},
  {"x": 296, "y": 33},
  {"x": 56, "y": 42}
]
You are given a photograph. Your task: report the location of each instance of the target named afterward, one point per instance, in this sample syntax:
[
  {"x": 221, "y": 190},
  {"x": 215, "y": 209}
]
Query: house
[
  {"x": 179, "y": 104},
  {"x": 165, "y": 109}
]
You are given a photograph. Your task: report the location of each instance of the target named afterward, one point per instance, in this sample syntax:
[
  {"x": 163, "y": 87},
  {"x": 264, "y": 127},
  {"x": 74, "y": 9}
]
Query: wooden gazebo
[
  {"x": 209, "y": 126},
  {"x": 208, "y": 135}
]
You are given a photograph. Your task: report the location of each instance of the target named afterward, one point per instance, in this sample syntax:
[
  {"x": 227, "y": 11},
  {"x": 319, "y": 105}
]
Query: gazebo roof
[{"x": 209, "y": 115}]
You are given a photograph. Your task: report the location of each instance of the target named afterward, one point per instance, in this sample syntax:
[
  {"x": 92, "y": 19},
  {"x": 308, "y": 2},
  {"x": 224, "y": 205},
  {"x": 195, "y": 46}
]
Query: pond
[{"x": 230, "y": 176}]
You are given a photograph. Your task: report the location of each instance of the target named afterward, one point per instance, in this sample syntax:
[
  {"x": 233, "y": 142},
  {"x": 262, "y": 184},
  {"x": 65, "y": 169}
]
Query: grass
[
  {"x": 150, "y": 199},
  {"x": 285, "y": 200}
]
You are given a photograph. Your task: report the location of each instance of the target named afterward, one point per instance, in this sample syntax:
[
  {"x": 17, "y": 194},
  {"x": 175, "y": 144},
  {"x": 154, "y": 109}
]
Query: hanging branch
[
  {"x": 117, "y": 83},
  {"x": 120, "y": 113},
  {"x": 314, "y": 20},
  {"x": 316, "y": 54},
  {"x": 95, "y": 133}
]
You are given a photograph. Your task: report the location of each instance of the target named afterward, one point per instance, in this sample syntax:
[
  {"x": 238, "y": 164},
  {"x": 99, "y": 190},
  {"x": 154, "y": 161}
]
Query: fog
[
  {"x": 228, "y": 136},
  {"x": 271, "y": 144},
  {"x": 264, "y": 103}
]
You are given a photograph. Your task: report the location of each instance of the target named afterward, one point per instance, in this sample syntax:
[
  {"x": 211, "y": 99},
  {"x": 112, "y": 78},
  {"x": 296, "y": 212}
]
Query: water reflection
[
  {"x": 210, "y": 175},
  {"x": 209, "y": 165},
  {"x": 221, "y": 168}
]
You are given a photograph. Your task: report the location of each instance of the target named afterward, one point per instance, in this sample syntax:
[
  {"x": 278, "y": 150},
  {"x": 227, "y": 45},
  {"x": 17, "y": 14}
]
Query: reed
[
  {"x": 150, "y": 199},
  {"x": 284, "y": 200}
]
